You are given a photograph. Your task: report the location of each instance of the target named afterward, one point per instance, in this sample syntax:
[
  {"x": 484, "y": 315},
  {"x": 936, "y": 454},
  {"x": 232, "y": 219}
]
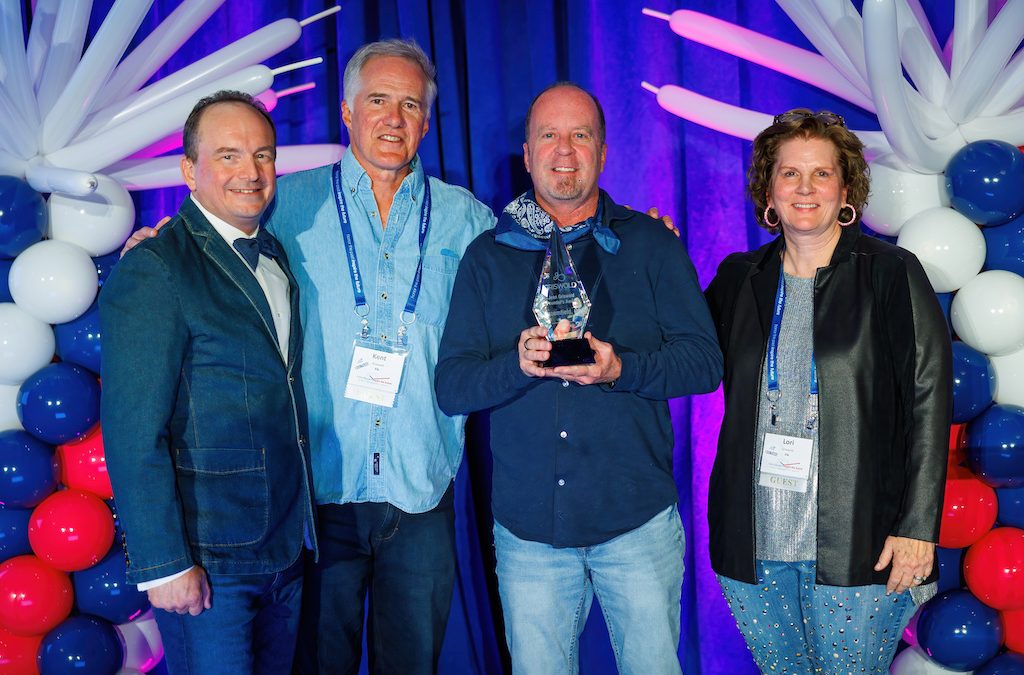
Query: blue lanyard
[
  {"x": 773, "y": 360},
  {"x": 362, "y": 310}
]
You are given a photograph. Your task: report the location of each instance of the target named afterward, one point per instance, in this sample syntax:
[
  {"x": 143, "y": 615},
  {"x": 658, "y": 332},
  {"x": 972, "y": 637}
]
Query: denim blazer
[{"x": 204, "y": 423}]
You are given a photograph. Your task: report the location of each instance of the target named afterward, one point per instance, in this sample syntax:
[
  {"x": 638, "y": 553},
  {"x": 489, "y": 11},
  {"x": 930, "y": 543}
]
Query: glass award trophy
[{"x": 562, "y": 306}]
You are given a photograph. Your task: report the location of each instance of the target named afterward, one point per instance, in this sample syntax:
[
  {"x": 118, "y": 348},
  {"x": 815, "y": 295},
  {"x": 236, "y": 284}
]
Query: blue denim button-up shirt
[{"x": 406, "y": 455}]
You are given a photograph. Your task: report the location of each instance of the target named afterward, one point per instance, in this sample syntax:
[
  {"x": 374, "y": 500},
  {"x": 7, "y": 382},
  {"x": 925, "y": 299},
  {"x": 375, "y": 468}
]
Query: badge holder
[{"x": 378, "y": 367}]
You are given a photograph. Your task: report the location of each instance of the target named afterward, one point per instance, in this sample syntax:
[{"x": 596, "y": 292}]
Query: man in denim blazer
[{"x": 204, "y": 421}]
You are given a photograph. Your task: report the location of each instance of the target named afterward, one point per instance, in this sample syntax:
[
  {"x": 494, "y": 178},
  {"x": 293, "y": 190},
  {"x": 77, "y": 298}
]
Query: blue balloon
[
  {"x": 59, "y": 403},
  {"x": 5, "y": 287},
  {"x": 959, "y": 631},
  {"x": 103, "y": 591},
  {"x": 78, "y": 340},
  {"x": 1008, "y": 663},
  {"x": 974, "y": 383},
  {"x": 1004, "y": 246},
  {"x": 951, "y": 572},
  {"x": 985, "y": 182},
  {"x": 81, "y": 645},
  {"x": 104, "y": 264},
  {"x": 117, "y": 521},
  {"x": 995, "y": 451},
  {"x": 22, "y": 216},
  {"x": 1011, "y": 507},
  {"x": 14, "y": 532},
  {"x": 28, "y": 470}
]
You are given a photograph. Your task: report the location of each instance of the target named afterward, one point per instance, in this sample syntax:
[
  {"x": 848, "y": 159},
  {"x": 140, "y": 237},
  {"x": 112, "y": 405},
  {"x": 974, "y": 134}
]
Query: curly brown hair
[{"x": 802, "y": 123}]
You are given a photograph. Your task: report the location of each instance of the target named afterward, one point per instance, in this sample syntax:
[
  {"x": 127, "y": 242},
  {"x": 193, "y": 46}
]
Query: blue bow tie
[{"x": 252, "y": 248}]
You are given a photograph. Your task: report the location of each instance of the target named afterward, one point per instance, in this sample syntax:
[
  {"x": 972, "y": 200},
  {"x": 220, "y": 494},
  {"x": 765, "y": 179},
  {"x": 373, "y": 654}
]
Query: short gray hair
[{"x": 403, "y": 49}]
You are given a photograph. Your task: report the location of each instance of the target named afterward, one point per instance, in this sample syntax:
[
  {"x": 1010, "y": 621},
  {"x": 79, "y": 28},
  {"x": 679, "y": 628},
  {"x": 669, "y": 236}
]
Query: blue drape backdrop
[{"x": 492, "y": 58}]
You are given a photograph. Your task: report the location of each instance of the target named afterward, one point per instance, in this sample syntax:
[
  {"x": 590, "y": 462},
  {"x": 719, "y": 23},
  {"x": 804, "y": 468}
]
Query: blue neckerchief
[{"x": 526, "y": 226}]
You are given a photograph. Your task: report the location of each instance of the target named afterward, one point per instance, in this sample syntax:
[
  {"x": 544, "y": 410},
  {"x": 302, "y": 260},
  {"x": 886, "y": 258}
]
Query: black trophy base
[{"x": 570, "y": 352}]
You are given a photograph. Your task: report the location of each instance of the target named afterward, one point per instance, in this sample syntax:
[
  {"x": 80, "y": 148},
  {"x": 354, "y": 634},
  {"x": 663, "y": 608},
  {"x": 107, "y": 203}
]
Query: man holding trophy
[{"x": 572, "y": 323}]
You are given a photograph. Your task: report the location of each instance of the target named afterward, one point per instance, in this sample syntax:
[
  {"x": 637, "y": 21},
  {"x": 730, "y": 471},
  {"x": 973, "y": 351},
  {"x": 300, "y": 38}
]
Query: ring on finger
[{"x": 919, "y": 580}]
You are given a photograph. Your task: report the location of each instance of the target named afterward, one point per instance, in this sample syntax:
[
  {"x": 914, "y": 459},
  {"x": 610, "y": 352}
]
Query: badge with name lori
[
  {"x": 376, "y": 374},
  {"x": 785, "y": 462}
]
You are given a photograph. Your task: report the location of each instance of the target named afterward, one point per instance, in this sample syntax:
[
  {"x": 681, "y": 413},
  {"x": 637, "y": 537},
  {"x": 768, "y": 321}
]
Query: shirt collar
[
  {"x": 354, "y": 176},
  {"x": 226, "y": 230},
  {"x": 525, "y": 225}
]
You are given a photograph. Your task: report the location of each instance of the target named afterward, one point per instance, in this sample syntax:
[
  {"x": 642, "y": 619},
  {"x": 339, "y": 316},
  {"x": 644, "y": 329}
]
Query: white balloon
[
  {"x": 76, "y": 97},
  {"x": 10, "y": 165},
  {"x": 40, "y": 35},
  {"x": 161, "y": 172},
  {"x": 1008, "y": 127},
  {"x": 99, "y": 222},
  {"x": 972, "y": 87},
  {"x": 920, "y": 51},
  {"x": 970, "y": 19},
  {"x": 950, "y": 247},
  {"x": 898, "y": 193},
  {"x": 813, "y": 26},
  {"x": 988, "y": 312},
  {"x": 143, "y": 647},
  {"x": 52, "y": 179},
  {"x": 235, "y": 58},
  {"x": 1008, "y": 88},
  {"x": 780, "y": 56},
  {"x": 1009, "y": 370},
  {"x": 65, "y": 51},
  {"x": 889, "y": 89},
  {"x": 26, "y": 344},
  {"x": 114, "y": 144},
  {"x": 153, "y": 52},
  {"x": 54, "y": 281},
  {"x": 737, "y": 121},
  {"x": 913, "y": 661},
  {"x": 9, "y": 407},
  {"x": 14, "y": 74}
]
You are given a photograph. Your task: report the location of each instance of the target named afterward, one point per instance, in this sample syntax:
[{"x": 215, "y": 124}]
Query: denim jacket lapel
[{"x": 214, "y": 246}]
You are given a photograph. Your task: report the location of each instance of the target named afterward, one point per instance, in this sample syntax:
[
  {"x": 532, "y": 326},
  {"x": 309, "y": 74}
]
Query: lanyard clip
[{"x": 812, "y": 412}]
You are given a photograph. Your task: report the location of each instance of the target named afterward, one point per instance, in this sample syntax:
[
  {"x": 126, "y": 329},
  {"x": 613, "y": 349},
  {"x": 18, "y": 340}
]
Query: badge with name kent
[
  {"x": 375, "y": 375},
  {"x": 785, "y": 462}
]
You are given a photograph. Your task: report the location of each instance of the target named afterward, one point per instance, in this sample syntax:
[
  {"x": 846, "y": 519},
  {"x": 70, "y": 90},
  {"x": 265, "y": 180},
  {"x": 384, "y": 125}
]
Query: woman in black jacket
[{"x": 826, "y": 491}]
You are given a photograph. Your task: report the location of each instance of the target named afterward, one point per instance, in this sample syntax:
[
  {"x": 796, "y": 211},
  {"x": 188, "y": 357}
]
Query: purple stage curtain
[{"x": 492, "y": 58}]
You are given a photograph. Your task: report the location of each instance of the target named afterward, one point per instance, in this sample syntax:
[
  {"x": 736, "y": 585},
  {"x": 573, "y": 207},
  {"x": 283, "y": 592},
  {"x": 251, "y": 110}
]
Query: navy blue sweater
[{"x": 579, "y": 465}]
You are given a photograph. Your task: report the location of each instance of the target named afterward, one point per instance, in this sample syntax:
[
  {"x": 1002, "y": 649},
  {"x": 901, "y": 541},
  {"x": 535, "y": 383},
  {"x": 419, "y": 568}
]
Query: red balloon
[
  {"x": 994, "y": 568},
  {"x": 1013, "y": 629},
  {"x": 84, "y": 466},
  {"x": 71, "y": 530},
  {"x": 18, "y": 653},
  {"x": 969, "y": 510},
  {"x": 34, "y": 597}
]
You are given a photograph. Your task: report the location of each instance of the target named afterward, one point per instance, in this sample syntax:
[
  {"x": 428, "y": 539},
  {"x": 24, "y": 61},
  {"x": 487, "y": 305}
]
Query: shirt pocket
[
  {"x": 436, "y": 288},
  {"x": 224, "y": 495}
]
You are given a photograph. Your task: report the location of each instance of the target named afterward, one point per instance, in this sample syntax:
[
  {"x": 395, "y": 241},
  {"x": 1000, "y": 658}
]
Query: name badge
[
  {"x": 785, "y": 462},
  {"x": 375, "y": 375}
]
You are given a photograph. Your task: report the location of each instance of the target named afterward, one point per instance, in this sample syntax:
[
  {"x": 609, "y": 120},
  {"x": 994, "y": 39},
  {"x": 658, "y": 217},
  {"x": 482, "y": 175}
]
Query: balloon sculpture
[
  {"x": 948, "y": 181},
  {"x": 80, "y": 126}
]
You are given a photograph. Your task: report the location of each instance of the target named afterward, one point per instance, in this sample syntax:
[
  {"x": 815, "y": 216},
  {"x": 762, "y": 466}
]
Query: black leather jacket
[{"x": 884, "y": 370}]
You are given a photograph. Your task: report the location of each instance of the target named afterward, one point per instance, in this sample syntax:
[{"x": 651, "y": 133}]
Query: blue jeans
[
  {"x": 546, "y": 594},
  {"x": 251, "y": 627},
  {"x": 406, "y": 561},
  {"x": 792, "y": 625}
]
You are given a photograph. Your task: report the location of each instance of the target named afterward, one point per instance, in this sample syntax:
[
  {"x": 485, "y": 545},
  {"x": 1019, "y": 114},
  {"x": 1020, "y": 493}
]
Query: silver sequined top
[{"x": 787, "y": 521}]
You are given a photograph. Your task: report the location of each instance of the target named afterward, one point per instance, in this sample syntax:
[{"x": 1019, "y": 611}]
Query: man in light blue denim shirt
[{"x": 383, "y": 475}]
